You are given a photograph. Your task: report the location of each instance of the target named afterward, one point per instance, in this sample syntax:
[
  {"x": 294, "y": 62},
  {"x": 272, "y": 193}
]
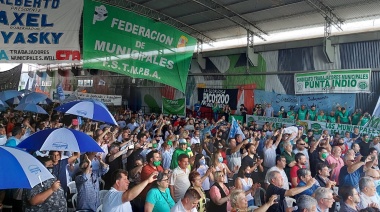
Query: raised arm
[{"x": 136, "y": 190}]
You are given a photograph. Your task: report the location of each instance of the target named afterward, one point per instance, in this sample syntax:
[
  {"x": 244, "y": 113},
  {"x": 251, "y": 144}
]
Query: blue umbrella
[
  {"x": 31, "y": 108},
  {"x": 91, "y": 109},
  {"x": 60, "y": 139},
  {"x": 14, "y": 100},
  {"x": 3, "y": 103},
  {"x": 46, "y": 102},
  {"x": 20, "y": 169},
  {"x": 3, "y": 106},
  {"x": 9, "y": 94},
  {"x": 25, "y": 91},
  {"x": 34, "y": 98}
]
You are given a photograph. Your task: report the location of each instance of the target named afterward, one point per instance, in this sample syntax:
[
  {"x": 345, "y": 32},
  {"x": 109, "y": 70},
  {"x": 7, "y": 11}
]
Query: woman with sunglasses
[
  {"x": 219, "y": 194},
  {"x": 158, "y": 198},
  {"x": 196, "y": 183}
]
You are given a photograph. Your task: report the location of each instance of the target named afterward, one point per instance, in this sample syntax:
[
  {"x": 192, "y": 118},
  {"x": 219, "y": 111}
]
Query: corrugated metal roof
[
  {"x": 363, "y": 55},
  {"x": 269, "y": 15}
]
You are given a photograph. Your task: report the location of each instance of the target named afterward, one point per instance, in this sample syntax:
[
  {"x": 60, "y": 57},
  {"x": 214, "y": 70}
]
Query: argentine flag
[{"x": 235, "y": 129}]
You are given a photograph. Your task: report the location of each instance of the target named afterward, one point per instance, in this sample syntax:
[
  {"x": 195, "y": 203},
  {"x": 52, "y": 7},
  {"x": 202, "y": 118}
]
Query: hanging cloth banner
[
  {"x": 42, "y": 32},
  {"x": 372, "y": 128},
  {"x": 135, "y": 45},
  {"x": 334, "y": 81},
  {"x": 208, "y": 96},
  {"x": 174, "y": 107}
]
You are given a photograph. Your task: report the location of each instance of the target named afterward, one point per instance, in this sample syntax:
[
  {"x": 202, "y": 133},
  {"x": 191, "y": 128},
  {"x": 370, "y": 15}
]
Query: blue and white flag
[
  {"x": 235, "y": 129},
  {"x": 60, "y": 92}
]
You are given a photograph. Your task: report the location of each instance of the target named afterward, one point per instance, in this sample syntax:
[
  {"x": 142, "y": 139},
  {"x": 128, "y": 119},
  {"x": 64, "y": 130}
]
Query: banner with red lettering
[{"x": 42, "y": 32}]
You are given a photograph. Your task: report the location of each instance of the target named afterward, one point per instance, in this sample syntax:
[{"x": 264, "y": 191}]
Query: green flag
[
  {"x": 174, "y": 107},
  {"x": 124, "y": 42}
]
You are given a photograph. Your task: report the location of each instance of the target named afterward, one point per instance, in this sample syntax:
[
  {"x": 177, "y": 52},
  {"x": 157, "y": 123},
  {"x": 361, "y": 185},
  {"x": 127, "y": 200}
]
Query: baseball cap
[{"x": 182, "y": 141}]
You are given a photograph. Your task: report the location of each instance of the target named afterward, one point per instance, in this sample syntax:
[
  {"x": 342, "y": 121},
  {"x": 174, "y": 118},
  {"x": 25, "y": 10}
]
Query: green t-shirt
[
  {"x": 312, "y": 114},
  {"x": 291, "y": 115},
  {"x": 289, "y": 159},
  {"x": 162, "y": 201},
  {"x": 215, "y": 108},
  {"x": 364, "y": 121},
  {"x": 337, "y": 113},
  {"x": 331, "y": 119},
  {"x": 174, "y": 162},
  {"x": 344, "y": 117},
  {"x": 356, "y": 118},
  {"x": 321, "y": 118},
  {"x": 302, "y": 114}
]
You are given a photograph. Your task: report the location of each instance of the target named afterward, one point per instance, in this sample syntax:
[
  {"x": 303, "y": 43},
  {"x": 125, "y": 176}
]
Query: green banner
[
  {"x": 237, "y": 118},
  {"x": 174, "y": 107},
  {"x": 334, "y": 81},
  {"x": 121, "y": 41}
]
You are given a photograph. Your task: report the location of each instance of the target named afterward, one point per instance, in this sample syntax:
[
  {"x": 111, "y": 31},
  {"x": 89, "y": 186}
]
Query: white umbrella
[{"x": 19, "y": 169}]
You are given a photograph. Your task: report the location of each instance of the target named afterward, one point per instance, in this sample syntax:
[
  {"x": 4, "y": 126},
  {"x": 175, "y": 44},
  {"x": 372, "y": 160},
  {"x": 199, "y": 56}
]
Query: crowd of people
[
  {"x": 338, "y": 115},
  {"x": 168, "y": 163}
]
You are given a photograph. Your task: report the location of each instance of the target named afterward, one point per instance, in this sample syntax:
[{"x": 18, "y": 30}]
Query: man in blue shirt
[
  {"x": 14, "y": 140},
  {"x": 197, "y": 109},
  {"x": 353, "y": 169},
  {"x": 305, "y": 175}
]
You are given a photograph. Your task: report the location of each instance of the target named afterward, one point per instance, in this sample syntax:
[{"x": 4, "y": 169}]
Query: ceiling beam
[
  {"x": 327, "y": 13},
  {"x": 212, "y": 5},
  {"x": 158, "y": 16},
  {"x": 200, "y": 12},
  {"x": 173, "y": 5}
]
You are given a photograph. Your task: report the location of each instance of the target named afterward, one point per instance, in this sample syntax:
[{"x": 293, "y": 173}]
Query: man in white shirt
[
  {"x": 179, "y": 180},
  {"x": 280, "y": 165},
  {"x": 189, "y": 202},
  {"x": 368, "y": 195},
  {"x": 195, "y": 139},
  {"x": 270, "y": 150},
  {"x": 3, "y": 135},
  {"x": 118, "y": 197}
]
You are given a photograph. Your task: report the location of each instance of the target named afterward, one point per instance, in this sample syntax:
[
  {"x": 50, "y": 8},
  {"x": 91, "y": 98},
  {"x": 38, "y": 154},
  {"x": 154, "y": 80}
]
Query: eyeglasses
[
  {"x": 329, "y": 199},
  {"x": 376, "y": 178},
  {"x": 302, "y": 144},
  {"x": 167, "y": 180}
]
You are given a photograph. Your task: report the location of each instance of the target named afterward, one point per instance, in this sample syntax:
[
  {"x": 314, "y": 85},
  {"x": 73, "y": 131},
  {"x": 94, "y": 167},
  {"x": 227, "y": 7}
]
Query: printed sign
[
  {"x": 174, "y": 107},
  {"x": 335, "y": 81},
  {"x": 208, "y": 96},
  {"x": 135, "y": 45},
  {"x": 42, "y": 32},
  {"x": 106, "y": 99}
]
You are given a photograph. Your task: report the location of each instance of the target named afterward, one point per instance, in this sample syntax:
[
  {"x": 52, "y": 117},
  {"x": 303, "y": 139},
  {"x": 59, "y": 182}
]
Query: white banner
[
  {"x": 106, "y": 99},
  {"x": 43, "y": 32},
  {"x": 317, "y": 127},
  {"x": 334, "y": 81}
]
